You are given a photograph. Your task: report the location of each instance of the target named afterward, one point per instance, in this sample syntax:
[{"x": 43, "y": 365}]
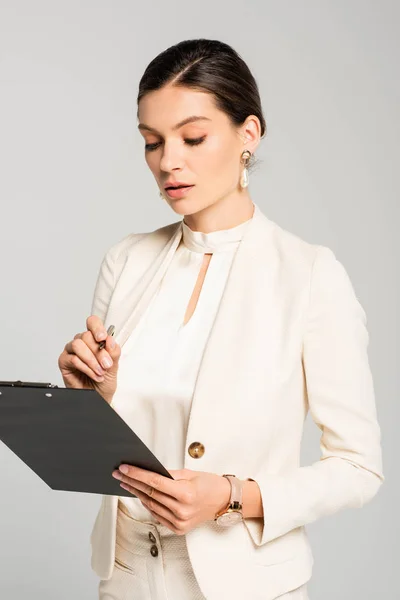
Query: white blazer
[{"x": 289, "y": 336}]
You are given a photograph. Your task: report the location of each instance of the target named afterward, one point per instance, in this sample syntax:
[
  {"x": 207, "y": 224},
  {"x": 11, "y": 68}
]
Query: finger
[
  {"x": 151, "y": 503},
  {"x": 159, "y": 511},
  {"x": 96, "y": 326},
  {"x": 77, "y": 364},
  {"x": 163, "y": 521},
  {"x": 113, "y": 349},
  {"x": 79, "y": 349},
  {"x": 151, "y": 493},
  {"x": 151, "y": 479},
  {"x": 103, "y": 356}
]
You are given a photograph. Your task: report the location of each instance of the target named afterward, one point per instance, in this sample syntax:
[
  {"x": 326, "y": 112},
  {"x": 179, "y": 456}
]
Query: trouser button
[
  {"x": 152, "y": 537},
  {"x": 154, "y": 551}
]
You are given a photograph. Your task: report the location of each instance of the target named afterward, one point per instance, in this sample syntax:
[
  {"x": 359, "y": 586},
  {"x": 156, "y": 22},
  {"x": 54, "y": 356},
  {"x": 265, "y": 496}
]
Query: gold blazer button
[{"x": 196, "y": 450}]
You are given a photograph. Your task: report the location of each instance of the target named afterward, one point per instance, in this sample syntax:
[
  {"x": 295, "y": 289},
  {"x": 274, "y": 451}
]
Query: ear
[{"x": 250, "y": 133}]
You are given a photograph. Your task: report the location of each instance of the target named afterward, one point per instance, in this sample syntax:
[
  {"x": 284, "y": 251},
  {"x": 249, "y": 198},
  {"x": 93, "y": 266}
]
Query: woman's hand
[
  {"x": 182, "y": 503},
  {"x": 82, "y": 364}
]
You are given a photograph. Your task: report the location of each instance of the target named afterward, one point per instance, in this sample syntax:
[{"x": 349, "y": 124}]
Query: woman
[{"x": 228, "y": 329}]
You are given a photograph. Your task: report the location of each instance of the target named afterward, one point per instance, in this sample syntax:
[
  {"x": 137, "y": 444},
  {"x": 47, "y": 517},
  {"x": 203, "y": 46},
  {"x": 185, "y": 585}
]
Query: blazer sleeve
[
  {"x": 104, "y": 285},
  {"x": 109, "y": 273},
  {"x": 340, "y": 393}
]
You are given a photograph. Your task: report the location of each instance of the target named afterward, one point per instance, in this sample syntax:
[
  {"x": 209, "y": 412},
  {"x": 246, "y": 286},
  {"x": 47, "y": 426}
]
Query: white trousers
[{"x": 152, "y": 563}]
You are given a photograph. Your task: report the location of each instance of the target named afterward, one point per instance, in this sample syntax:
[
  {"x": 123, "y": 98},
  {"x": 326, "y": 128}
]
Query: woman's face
[{"x": 204, "y": 153}]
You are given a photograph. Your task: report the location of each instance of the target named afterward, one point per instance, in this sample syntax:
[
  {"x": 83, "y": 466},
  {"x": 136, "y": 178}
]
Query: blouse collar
[{"x": 222, "y": 240}]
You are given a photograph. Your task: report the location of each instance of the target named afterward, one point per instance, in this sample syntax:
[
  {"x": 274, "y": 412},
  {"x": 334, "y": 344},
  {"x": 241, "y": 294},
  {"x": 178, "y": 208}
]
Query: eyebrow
[{"x": 178, "y": 125}]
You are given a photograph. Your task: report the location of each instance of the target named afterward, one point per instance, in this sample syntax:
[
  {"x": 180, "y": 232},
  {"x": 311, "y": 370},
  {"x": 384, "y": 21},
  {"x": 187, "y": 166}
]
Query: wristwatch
[{"x": 233, "y": 513}]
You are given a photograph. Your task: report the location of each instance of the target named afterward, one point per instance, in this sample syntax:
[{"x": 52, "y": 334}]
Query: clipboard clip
[{"x": 34, "y": 384}]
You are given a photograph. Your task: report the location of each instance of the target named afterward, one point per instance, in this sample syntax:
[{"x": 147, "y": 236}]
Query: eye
[
  {"x": 151, "y": 147},
  {"x": 195, "y": 141},
  {"x": 190, "y": 141}
]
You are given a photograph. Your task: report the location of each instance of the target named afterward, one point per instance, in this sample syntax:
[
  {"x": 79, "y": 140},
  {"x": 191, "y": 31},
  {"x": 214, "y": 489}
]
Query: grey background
[{"x": 74, "y": 181}]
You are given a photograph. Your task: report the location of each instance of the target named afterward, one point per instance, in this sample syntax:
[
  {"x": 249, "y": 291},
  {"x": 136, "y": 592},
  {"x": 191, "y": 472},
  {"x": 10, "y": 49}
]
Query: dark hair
[{"x": 211, "y": 66}]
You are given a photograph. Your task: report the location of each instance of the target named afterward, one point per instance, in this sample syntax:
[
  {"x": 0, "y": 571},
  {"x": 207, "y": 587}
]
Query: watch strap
[{"x": 236, "y": 490}]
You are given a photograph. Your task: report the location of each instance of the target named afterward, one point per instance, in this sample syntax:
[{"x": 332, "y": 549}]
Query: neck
[{"x": 225, "y": 213}]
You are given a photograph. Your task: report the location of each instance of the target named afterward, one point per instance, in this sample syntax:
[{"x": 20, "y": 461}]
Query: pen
[{"x": 110, "y": 331}]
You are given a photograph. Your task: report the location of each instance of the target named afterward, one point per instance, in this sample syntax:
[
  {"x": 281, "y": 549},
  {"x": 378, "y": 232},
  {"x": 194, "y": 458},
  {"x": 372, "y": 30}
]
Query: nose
[{"x": 171, "y": 158}]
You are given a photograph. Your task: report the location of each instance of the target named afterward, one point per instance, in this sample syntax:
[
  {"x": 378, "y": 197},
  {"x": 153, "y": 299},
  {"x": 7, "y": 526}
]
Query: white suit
[{"x": 290, "y": 335}]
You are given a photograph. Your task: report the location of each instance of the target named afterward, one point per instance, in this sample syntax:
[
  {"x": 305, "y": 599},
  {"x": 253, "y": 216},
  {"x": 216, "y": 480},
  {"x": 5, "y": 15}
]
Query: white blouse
[{"x": 160, "y": 360}]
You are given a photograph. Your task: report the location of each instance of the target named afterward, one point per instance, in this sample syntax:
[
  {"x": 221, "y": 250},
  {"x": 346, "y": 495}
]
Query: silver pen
[{"x": 110, "y": 331}]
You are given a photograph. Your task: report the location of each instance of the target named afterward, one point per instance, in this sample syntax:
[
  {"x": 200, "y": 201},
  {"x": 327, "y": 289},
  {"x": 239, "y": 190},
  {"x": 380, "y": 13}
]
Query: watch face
[{"x": 230, "y": 518}]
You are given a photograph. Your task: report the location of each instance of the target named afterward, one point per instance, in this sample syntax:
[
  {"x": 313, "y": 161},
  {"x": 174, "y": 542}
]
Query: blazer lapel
[
  {"x": 239, "y": 338},
  {"x": 128, "y": 304}
]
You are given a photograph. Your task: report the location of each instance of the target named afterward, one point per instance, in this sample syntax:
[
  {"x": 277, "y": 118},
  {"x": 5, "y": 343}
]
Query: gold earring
[{"x": 245, "y": 160}]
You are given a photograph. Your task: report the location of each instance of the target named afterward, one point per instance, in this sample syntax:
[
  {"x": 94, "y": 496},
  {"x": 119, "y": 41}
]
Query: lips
[
  {"x": 179, "y": 192},
  {"x": 176, "y": 185}
]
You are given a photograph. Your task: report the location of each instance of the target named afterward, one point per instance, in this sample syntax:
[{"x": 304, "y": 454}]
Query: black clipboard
[{"x": 72, "y": 439}]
